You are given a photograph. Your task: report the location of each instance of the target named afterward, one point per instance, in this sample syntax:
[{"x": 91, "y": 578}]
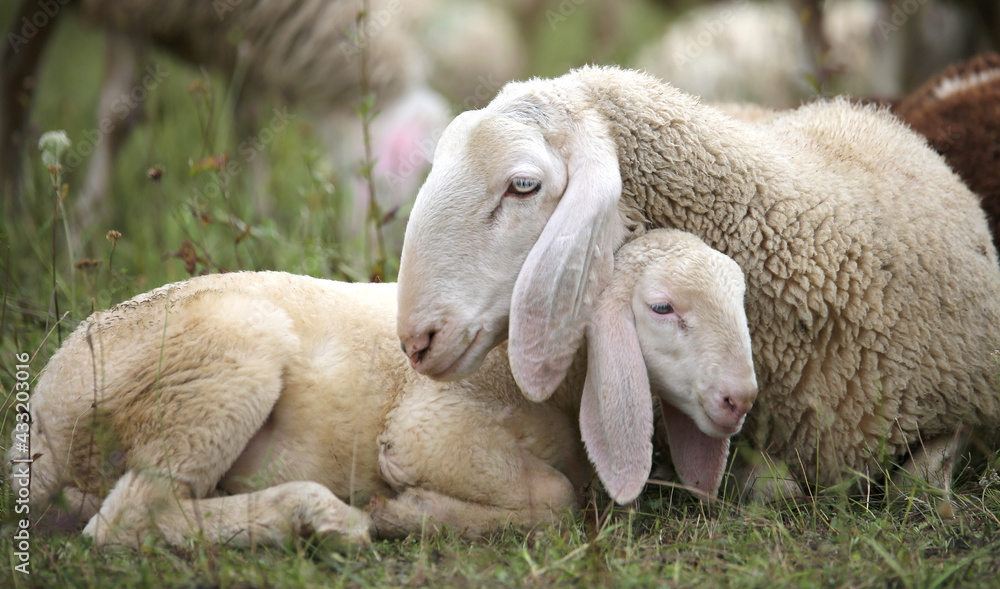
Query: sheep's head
[
  {"x": 671, "y": 322},
  {"x": 687, "y": 305},
  {"x": 515, "y": 226}
]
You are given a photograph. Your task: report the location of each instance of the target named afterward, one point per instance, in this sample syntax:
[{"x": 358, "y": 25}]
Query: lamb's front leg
[
  {"x": 419, "y": 509},
  {"x": 142, "y": 503},
  {"x": 460, "y": 458}
]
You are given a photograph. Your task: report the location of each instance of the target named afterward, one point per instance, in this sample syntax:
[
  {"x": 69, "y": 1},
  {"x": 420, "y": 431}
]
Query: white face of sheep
[
  {"x": 515, "y": 226},
  {"x": 671, "y": 322},
  {"x": 695, "y": 341}
]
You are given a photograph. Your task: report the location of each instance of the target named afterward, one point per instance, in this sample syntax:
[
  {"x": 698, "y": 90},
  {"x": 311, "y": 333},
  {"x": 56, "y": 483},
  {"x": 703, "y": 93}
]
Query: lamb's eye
[
  {"x": 662, "y": 308},
  {"x": 523, "y": 186}
]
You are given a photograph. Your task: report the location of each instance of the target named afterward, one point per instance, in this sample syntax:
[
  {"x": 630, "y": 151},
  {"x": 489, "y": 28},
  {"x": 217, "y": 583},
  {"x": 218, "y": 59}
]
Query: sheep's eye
[
  {"x": 523, "y": 187},
  {"x": 662, "y": 308}
]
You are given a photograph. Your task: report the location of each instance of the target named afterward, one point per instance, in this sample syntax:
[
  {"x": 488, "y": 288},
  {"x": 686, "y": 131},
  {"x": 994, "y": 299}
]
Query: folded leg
[
  {"x": 462, "y": 458},
  {"x": 143, "y": 503}
]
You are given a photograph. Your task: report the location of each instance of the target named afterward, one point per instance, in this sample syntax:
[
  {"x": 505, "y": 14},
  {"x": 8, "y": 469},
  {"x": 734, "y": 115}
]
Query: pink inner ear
[
  {"x": 567, "y": 267},
  {"x": 616, "y": 407},
  {"x": 699, "y": 459},
  {"x": 550, "y": 305}
]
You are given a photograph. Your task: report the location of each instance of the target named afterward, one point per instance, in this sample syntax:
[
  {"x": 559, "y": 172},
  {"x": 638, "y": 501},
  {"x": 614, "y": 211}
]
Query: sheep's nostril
[
  {"x": 416, "y": 348},
  {"x": 738, "y": 405}
]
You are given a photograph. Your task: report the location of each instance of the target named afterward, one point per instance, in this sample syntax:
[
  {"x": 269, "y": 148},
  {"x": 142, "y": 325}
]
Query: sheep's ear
[
  {"x": 564, "y": 271},
  {"x": 616, "y": 411},
  {"x": 699, "y": 459}
]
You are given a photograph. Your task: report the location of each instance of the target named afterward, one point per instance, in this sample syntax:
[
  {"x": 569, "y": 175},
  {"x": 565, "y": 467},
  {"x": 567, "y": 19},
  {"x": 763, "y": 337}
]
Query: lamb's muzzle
[{"x": 731, "y": 408}]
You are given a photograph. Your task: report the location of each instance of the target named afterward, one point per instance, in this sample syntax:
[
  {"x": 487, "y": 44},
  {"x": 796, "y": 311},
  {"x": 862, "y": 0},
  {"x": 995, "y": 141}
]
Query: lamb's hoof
[
  {"x": 105, "y": 538},
  {"x": 388, "y": 524},
  {"x": 95, "y": 531},
  {"x": 340, "y": 536}
]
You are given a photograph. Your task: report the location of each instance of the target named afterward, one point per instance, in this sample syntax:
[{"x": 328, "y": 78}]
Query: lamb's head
[
  {"x": 671, "y": 322},
  {"x": 515, "y": 225}
]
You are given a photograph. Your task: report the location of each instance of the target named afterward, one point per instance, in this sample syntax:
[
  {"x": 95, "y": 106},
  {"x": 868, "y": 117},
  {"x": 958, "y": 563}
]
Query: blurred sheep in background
[
  {"x": 306, "y": 54},
  {"x": 431, "y": 59},
  {"x": 781, "y": 53}
]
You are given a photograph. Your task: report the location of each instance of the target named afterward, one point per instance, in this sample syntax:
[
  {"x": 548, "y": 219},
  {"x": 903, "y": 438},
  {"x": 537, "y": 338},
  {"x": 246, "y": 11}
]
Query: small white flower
[
  {"x": 989, "y": 479},
  {"x": 53, "y": 145}
]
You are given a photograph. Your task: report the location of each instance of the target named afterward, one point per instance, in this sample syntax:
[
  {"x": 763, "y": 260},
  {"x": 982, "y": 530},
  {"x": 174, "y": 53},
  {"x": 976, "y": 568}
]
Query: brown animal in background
[{"x": 958, "y": 111}]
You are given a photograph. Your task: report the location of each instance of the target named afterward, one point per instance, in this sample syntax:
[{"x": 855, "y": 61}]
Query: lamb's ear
[
  {"x": 699, "y": 459},
  {"x": 616, "y": 411},
  {"x": 565, "y": 270}
]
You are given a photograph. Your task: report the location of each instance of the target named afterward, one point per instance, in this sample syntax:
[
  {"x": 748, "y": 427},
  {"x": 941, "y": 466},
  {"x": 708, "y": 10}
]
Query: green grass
[{"x": 669, "y": 539}]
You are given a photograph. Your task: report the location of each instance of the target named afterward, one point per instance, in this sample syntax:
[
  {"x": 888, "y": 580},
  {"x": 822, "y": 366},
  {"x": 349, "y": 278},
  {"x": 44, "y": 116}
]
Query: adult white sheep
[
  {"x": 292, "y": 391},
  {"x": 873, "y": 290}
]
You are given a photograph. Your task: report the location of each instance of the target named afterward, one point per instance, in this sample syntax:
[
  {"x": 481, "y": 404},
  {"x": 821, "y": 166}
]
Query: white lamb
[
  {"x": 253, "y": 406},
  {"x": 873, "y": 288}
]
